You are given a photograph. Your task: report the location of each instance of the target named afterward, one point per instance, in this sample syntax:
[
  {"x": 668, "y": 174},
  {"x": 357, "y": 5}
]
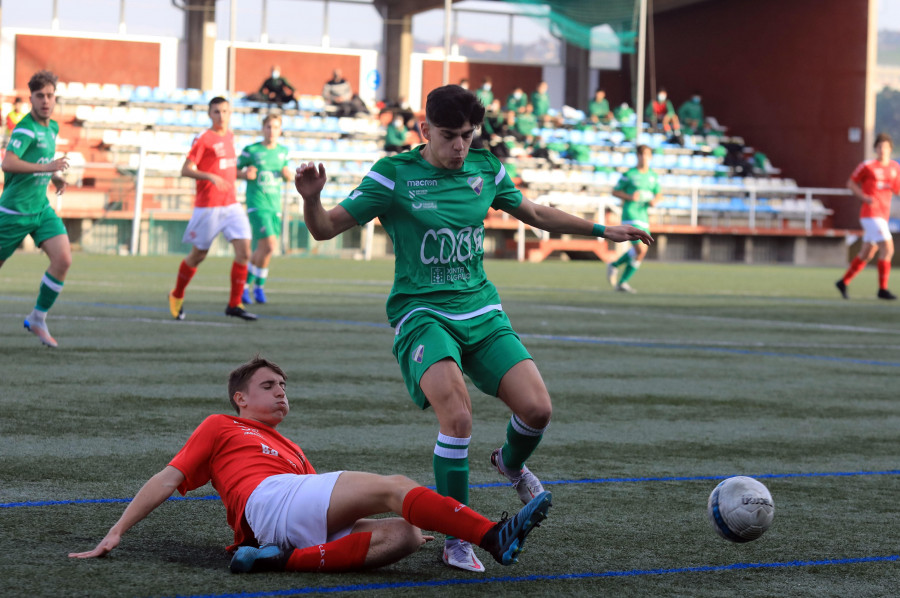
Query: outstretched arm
[
  {"x": 322, "y": 224},
  {"x": 556, "y": 221},
  {"x": 151, "y": 495}
]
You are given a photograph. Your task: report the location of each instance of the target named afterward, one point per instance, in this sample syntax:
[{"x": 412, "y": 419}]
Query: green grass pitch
[{"x": 710, "y": 371}]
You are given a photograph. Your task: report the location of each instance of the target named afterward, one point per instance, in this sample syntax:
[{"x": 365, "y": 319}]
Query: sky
[{"x": 889, "y": 14}]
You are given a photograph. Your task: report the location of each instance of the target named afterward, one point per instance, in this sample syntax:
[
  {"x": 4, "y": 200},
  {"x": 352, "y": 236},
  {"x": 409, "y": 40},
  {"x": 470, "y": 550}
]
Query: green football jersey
[
  {"x": 26, "y": 193},
  {"x": 435, "y": 219},
  {"x": 264, "y": 193},
  {"x": 648, "y": 185}
]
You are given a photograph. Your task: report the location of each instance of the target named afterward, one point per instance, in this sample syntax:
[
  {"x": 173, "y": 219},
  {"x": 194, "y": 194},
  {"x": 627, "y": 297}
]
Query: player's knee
[{"x": 537, "y": 414}]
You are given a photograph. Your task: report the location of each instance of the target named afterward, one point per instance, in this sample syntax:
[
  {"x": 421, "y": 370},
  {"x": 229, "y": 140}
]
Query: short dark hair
[
  {"x": 883, "y": 137},
  {"x": 641, "y": 148},
  {"x": 42, "y": 79},
  {"x": 215, "y": 101},
  {"x": 451, "y": 105},
  {"x": 239, "y": 378}
]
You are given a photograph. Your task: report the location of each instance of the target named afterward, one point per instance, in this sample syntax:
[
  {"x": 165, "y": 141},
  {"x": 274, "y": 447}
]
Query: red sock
[
  {"x": 238, "y": 278},
  {"x": 884, "y": 273},
  {"x": 346, "y": 554},
  {"x": 855, "y": 268},
  {"x": 426, "y": 509},
  {"x": 185, "y": 274}
]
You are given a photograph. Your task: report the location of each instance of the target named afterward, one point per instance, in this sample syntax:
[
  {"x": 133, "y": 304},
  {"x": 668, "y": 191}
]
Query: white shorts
[
  {"x": 207, "y": 223},
  {"x": 875, "y": 230},
  {"x": 292, "y": 510}
]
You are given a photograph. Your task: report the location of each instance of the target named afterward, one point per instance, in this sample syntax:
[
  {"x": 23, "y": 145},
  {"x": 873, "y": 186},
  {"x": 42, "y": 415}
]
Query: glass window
[
  {"x": 353, "y": 25},
  {"x": 249, "y": 20},
  {"x": 533, "y": 43},
  {"x": 152, "y": 17},
  {"x": 27, "y": 13},
  {"x": 295, "y": 22}
]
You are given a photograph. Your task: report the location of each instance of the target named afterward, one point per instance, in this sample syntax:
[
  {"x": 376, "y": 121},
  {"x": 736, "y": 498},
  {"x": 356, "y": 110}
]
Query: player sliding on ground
[
  {"x": 28, "y": 167},
  {"x": 447, "y": 316},
  {"x": 287, "y": 517}
]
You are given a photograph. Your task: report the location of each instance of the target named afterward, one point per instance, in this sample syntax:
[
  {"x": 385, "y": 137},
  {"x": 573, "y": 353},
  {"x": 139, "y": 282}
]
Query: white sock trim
[{"x": 523, "y": 429}]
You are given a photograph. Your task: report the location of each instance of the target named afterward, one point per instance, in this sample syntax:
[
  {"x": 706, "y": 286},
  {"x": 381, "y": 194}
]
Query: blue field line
[
  {"x": 560, "y": 577},
  {"x": 762, "y": 476}
]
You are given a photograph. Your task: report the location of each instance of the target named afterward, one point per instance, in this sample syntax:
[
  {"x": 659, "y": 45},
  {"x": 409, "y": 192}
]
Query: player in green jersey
[
  {"x": 28, "y": 167},
  {"x": 448, "y": 320},
  {"x": 264, "y": 165},
  {"x": 638, "y": 189}
]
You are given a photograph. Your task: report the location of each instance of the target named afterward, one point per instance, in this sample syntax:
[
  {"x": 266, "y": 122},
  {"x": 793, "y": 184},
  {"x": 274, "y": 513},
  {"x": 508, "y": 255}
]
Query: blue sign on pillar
[{"x": 373, "y": 79}]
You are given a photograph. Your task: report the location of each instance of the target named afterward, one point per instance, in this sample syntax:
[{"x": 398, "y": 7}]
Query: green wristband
[{"x": 599, "y": 230}]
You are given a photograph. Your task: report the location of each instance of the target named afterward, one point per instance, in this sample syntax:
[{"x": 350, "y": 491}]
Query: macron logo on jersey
[{"x": 422, "y": 183}]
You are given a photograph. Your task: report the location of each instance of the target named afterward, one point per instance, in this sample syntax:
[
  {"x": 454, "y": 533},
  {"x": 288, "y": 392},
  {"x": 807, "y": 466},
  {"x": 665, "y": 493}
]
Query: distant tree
[{"x": 887, "y": 113}]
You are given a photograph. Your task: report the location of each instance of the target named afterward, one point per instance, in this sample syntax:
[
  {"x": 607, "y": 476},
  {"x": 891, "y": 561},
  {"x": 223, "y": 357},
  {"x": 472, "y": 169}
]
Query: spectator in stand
[
  {"x": 598, "y": 109},
  {"x": 691, "y": 116},
  {"x": 338, "y": 92},
  {"x": 505, "y": 136},
  {"x": 15, "y": 115},
  {"x": 275, "y": 90},
  {"x": 517, "y": 100},
  {"x": 874, "y": 182},
  {"x": 484, "y": 93},
  {"x": 526, "y": 123},
  {"x": 464, "y": 83},
  {"x": 540, "y": 99},
  {"x": 661, "y": 112},
  {"x": 625, "y": 116},
  {"x": 395, "y": 137}
]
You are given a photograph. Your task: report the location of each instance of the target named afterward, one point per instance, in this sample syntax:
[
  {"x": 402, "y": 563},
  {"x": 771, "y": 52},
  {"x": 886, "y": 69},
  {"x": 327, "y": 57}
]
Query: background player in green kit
[
  {"x": 265, "y": 166},
  {"x": 28, "y": 167},
  {"x": 447, "y": 316},
  {"x": 638, "y": 189}
]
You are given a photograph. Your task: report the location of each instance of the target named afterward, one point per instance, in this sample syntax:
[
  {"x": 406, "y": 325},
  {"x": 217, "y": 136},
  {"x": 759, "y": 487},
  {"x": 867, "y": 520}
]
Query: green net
[{"x": 580, "y": 22}]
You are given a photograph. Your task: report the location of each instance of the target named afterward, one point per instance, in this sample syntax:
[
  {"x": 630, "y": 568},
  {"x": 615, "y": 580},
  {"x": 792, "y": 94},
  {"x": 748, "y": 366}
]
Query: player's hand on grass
[
  {"x": 623, "y": 232},
  {"x": 310, "y": 180},
  {"x": 102, "y": 549}
]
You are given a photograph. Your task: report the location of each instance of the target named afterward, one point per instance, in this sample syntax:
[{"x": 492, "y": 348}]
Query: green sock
[
  {"x": 451, "y": 467},
  {"x": 521, "y": 440},
  {"x": 50, "y": 290},
  {"x": 625, "y": 258},
  {"x": 261, "y": 275},
  {"x": 629, "y": 271},
  {"x": 251, "y": 274}
]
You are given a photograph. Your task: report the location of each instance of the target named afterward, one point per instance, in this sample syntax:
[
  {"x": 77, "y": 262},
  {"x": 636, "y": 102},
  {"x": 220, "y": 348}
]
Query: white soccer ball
[{"x": 740, "y": 509}]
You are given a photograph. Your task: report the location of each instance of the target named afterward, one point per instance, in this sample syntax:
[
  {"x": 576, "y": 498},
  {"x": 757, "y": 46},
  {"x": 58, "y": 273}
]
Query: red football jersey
[
  {"x": 236, "y": 454},
  {"x": 214, "y": 153},
  {"x": 879, "y": 182}
]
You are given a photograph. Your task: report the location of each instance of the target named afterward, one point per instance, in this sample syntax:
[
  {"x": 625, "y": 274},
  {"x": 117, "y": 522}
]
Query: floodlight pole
[
  {"x": 448, "y": 29},
  {"x": 232, "y": 51},
  {"x": 642, "y": 56}
]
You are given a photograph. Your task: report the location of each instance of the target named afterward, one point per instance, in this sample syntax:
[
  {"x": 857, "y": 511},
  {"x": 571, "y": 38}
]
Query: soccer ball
[{"x": 740, "y": 509}]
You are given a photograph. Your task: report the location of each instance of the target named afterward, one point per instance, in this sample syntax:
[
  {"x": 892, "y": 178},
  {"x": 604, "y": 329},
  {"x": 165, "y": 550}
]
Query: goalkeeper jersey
[
  {"x": 435, "y": 219},
  {"x": 26, "y": 193}
]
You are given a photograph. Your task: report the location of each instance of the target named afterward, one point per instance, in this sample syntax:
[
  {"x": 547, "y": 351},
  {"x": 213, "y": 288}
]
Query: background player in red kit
[
  {"x": 213, "y": 164},
  {"x": 875, "y": 182},
  {"x": 307, "y": 521}
]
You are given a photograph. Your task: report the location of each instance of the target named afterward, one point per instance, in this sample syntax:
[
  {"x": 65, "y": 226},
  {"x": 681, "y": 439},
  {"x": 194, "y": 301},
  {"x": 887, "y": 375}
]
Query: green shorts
[
  {"x": 15, "y": 227},
  {"x": 484, "y": 348},
  {"x": 264, "y": 224}
]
